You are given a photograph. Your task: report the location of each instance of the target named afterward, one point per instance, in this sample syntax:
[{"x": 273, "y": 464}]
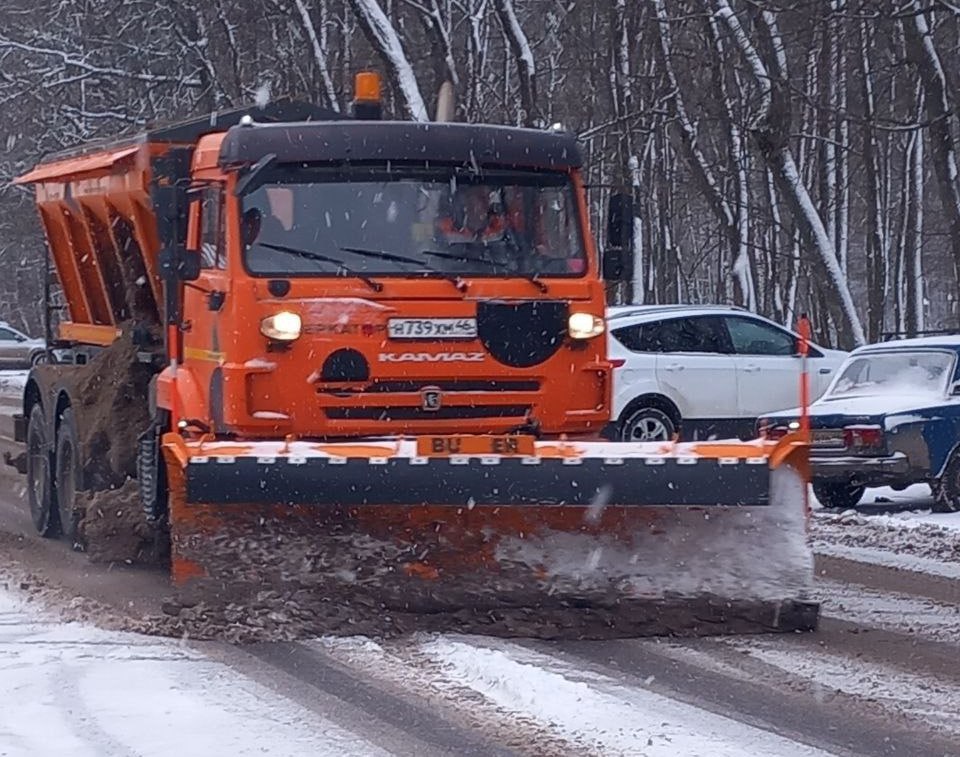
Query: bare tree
[
  {"x": 383, "y": 37},
  {"x": 769, "y": 129}
]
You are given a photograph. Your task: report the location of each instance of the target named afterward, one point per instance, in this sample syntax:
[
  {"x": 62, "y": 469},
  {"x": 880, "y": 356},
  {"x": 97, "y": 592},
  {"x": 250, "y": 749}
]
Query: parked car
[
  {"x": 17, "y": 350},
  {"x": 703, "y": 371},
  {"x": 891, "y": 417}
]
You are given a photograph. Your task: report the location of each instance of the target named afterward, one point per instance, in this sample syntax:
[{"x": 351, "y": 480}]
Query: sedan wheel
[
  {"x": 39, "y": 358},
  {"x": 946, "y": 491},
  {"x": 647, "y": 424},
  {"x": 841, "y": 495}
]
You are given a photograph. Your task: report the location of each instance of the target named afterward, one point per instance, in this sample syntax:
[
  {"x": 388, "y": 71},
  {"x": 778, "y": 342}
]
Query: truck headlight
[
  {"x": 584, "y": 325},
  {"x": 283, "y": 326}
]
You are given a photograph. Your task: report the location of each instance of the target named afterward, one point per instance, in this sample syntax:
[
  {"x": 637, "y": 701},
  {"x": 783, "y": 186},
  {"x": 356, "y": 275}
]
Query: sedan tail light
[
  {"x": 863, "y": 438},
  {"x": 616, "y": 362}
]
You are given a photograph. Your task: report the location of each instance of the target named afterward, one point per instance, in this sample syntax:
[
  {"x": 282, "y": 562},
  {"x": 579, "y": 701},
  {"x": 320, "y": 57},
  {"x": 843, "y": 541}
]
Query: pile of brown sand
[
  {"x": 112, "y": 527},
  {"x": 111, "y": 409},
  {"x": 111, "y": 404}
]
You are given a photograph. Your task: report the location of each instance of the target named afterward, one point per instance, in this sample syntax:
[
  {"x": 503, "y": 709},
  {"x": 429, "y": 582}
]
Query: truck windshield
[{"x": 390, "y": 222}]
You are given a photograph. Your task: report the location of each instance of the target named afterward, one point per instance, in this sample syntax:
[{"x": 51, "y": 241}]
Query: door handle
[
  {"x": 751, "y": 368},
  {"x": 675, "y": 367},
  {"x": 825, "y": 371}
]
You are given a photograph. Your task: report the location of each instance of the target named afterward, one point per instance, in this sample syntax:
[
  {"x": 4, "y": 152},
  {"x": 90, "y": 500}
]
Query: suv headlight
[
  {"x": 584, "y": 325},
  {"x": 283, "y": 326}
]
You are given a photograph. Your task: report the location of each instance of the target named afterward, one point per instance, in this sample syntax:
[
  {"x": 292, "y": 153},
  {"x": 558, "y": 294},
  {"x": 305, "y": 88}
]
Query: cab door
[{"x": 204, "y": 299}]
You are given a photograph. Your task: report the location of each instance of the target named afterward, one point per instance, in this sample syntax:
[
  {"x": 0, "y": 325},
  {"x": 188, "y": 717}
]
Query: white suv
[{"x": 704, "y": 371}]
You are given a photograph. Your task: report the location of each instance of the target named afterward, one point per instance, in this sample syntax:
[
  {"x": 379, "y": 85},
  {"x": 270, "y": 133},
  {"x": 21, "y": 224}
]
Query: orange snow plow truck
[{"x": 377, "y": 361}]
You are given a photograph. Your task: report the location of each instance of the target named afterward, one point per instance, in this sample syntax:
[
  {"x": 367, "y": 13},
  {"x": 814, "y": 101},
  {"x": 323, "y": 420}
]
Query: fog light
[
  {"x": 584, "y": 325},
  {"x": 283, "y": 326}
]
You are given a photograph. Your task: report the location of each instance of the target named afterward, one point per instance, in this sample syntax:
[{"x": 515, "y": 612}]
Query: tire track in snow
[
  {"x": 395, "y": 671},
  {"x": 823, "y": 689},
  {"x": 899, "y": 613},
  {"x": 599, "y": 712}
]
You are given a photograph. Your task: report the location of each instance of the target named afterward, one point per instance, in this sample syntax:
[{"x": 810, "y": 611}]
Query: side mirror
[
  {"x": 617, "y": 255},
  {"x": 189, "y": 267},
  {"x": 179, "y": 264}
]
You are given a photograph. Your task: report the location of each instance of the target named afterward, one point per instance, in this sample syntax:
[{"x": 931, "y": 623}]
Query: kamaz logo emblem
[
  {"x": 431, "y": 398},
  {"x": 431, "y": 357}
]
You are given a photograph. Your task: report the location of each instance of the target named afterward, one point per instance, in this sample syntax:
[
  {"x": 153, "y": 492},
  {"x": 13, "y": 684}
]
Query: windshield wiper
[
  {"x": 459, "y": 283},
  {"x": 376, "y": 286},
  {"x": 533, "y": 278}
]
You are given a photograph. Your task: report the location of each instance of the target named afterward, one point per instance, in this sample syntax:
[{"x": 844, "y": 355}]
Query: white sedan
[{"x": 704, "y": 371}]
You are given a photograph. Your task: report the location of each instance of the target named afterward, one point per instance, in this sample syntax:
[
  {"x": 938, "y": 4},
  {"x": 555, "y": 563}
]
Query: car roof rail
[
  {"x": 888, "y": 336},
  {"x": 629, "y": 310}
]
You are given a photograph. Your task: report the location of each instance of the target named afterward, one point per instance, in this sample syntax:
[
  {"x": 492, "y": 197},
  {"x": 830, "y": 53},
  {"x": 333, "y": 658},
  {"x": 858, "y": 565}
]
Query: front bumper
[{"x": 869, "y": 471}]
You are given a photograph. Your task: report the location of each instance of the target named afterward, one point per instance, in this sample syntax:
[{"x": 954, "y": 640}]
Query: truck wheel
[
  {"x": 39, "y": 483},
  {"x": 946, "y": 491},
  {"x": 646, "y": 424},
  {"x": 67, "y": 473},
  {"x": 840, "y": 495}
]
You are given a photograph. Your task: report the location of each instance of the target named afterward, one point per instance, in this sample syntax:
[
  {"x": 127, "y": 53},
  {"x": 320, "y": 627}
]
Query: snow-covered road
[{"x": 879, "y": 678}]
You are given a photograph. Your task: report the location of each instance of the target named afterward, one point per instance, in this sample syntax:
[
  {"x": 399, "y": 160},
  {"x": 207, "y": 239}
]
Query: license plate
[
  {"x": 827, "y": 438},
  {"x": 432, "y": 328},
  {"x": 476, "y": 445}
]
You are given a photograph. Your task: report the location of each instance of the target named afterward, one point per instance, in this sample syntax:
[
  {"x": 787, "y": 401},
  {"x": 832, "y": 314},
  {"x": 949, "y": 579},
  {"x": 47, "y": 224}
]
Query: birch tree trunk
[
  {"x": 523, "y": 56},
  {"x": 383, "y": 37},
  {"x": 875, "y": 244},
  {"x": 942, "y": 120}
]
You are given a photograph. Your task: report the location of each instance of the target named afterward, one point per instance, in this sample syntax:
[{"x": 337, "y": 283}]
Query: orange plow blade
[{"x": 586, "y": 539}]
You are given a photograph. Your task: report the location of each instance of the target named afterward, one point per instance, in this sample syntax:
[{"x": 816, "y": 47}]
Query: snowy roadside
[
  {"x": 70, "y": 688},
  {"x": 11, "y": 386}
]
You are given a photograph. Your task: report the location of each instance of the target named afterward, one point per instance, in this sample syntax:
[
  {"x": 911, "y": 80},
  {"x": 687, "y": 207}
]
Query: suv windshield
[
  {"x": 412, "y": 222},
  {"x": 894, "y": 373}
]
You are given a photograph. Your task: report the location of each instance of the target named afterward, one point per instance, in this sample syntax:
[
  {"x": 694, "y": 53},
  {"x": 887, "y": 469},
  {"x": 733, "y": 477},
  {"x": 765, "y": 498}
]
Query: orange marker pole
[{"x": 803, "y": 347}]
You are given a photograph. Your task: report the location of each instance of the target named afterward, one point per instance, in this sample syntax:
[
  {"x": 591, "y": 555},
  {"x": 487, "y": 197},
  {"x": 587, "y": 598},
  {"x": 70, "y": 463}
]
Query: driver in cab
[{"x": 472, "y": 218}]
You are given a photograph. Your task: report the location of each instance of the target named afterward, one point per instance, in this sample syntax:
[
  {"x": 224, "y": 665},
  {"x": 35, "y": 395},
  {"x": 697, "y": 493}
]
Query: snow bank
[{"x": 12, "y": 383}]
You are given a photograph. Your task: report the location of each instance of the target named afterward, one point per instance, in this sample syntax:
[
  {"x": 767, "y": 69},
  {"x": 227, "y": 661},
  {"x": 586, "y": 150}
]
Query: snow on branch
[
  {"x": 384, "y": 38},
  {"x": 750, "y": 54},
  {"x": 319, "y": 54},
  {"x": 523, "y": 54},
  {"x": 72, "y": 60}
]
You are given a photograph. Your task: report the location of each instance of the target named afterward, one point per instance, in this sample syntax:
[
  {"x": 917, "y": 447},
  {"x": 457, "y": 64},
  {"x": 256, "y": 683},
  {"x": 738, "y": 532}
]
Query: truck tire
[
  {"x": 43, "y": 509},
  {"x": 841, "y": 495},
  {"x": 946, "y": 490},
  {"x": 67, "y": 473}
]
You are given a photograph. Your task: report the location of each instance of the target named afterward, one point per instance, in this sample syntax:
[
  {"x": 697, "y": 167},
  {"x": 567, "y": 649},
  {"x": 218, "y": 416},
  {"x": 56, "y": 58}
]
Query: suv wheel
[
  {"x": 646, "y": 424},
  {"x": 842, "y": 495}
]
